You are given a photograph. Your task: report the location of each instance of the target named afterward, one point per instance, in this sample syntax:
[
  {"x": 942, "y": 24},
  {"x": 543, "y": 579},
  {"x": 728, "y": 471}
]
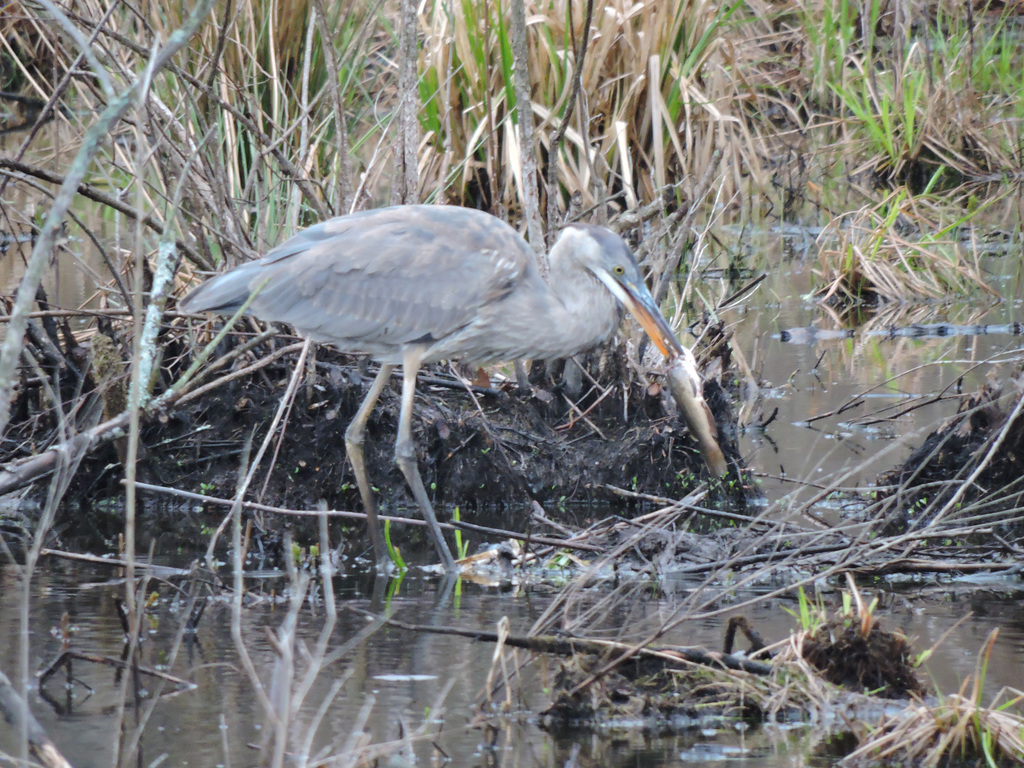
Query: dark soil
[
  {"x": 512, "y": 448},
  {"x": 642, "y": 693},
  {"x": 864, "y": 659},
  {"x": 515, "y": 446},
  {"x": 654, "y": 692}
]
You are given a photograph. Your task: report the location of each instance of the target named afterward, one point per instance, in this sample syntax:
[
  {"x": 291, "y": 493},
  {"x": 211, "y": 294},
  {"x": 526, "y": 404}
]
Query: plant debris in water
[
  {"x": 645, "y": 693},
  {"x": 984, "y": 442}
]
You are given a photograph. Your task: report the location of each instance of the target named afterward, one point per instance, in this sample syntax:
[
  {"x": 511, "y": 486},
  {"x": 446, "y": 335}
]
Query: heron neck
[
  {"x": 583, "y": 312},
  {"x": 569, "y": 313}
]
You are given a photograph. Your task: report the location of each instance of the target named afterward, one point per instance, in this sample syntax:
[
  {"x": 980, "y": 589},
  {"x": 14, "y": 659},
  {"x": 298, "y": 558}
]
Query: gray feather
[
  {"x": 379, "y": 278},
  {"x": 455, "y": 282}
]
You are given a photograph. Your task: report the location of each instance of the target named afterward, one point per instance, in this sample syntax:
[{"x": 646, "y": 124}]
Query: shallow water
[
  {"x": 837, "y": 382},
  {"x": 400, "y": 680}
]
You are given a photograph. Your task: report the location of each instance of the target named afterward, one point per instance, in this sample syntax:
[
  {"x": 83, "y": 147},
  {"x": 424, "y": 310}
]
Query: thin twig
[
  {"x": 13, "y": 342},
  {"x": 345, "y": 514}
]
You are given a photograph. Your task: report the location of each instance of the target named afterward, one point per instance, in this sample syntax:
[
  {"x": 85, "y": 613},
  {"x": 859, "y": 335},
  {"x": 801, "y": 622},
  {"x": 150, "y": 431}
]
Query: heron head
[{"x": 607, "y": 257}]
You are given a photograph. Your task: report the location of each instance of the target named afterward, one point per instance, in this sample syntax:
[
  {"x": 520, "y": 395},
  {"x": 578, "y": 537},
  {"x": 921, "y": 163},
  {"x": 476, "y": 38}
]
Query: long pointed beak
[
  {"x": 638, "y": 300},
  {"x": 641, "y": 305}
]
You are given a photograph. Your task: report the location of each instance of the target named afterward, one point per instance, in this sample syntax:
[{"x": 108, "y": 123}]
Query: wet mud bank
[
  {"x": 488, "y": 449},
  {"x": 494, "y": 447},
  {"x": 679, "y": 688}
]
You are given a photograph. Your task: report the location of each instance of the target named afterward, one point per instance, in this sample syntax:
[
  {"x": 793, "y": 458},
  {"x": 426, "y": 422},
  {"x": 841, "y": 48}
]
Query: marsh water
[
  {"x": 837, "y": 381},
  {"x": 426, "y": 687},
  {"x": 399, "y": 682}
]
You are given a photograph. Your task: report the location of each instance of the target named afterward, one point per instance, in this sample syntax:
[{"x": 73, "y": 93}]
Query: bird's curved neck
[{"x": 584, "y": 313}]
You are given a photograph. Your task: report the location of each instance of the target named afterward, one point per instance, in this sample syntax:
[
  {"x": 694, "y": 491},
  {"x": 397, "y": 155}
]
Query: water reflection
[
  {"x": 400, "y": 682},
  {"x": 856, "y": 395}
]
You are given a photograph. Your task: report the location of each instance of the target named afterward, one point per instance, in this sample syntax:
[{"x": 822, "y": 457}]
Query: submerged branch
[
  {"x": 14, "y": 709},
  {"x": 570, "y": 646},
  {"x": 547, "y": 541}
]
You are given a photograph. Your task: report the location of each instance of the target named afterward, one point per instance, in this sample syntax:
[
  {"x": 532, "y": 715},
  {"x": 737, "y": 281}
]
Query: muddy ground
[
  {"x": 502, "y": 446},
  {"x": 978, "y": 454},
  {"x": 496, "y": 449}
]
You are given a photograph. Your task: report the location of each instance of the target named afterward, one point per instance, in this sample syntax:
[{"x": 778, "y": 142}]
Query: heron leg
[
  {"x": 405, "y": 456},
  {"x": 354, "y": 447},
  {"x": 522, "y": 377}
]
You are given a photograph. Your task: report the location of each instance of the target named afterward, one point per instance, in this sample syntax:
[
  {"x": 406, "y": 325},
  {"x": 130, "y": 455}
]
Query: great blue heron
[{"x": 418, "y": 284}]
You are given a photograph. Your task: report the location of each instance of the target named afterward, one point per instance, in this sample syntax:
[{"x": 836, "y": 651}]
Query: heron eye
[{"x": 618, "y": 269}]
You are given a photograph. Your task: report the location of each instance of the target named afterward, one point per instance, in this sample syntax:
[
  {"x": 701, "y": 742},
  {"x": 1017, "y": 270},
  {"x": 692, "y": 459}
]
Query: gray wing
[{"x": 379, "y": 279}]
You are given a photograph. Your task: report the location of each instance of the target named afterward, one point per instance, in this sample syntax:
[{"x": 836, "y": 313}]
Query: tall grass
[
  {"x": 650, "y": 110},
  {"x": 902, "y": 248},
  {"x": 939, "y": 89},
  {"x": 276, "y": 117},
  {"x": 284, "y": 112}
]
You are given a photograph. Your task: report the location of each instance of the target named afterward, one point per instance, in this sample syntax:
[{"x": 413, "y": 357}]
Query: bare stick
[
  {"x": 572, "y": 543},
  {"x": 556, "y": 139},
  {"x": 343, "y": 180},
  {"x": 406, "y": 181},
  {"x": 524, "y": 115},
  {"x": 14, "y": 709},
  {"x": 91, "y": 193},
  {"x": 570, "y": 646},
  {"x": 244, "y": 486}
]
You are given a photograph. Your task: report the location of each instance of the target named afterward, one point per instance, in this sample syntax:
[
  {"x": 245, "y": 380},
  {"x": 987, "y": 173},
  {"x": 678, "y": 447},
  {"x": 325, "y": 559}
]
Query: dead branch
[
  {"x": 555, "y": 142},
  {"x": 106, "y": 661},
  {"x": 21, "y": 472},
  {"x": 524, "y": 117},
  {"x": 36, "y": 264},
  {"x": 157, "y": 571},
  {"x": 91, "y": 193},
  {"x": 571, "y": 646},
  {"x": 546, "y": 541}
]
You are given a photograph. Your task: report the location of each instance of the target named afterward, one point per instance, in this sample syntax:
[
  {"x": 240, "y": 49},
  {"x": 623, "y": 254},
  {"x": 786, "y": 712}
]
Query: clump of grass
[
  {"x": 852, "y": 650},
  {"x": 896, "y": 250},
  {"x": 959, "y": 727},
  {"x": 938, "y": 92}
]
